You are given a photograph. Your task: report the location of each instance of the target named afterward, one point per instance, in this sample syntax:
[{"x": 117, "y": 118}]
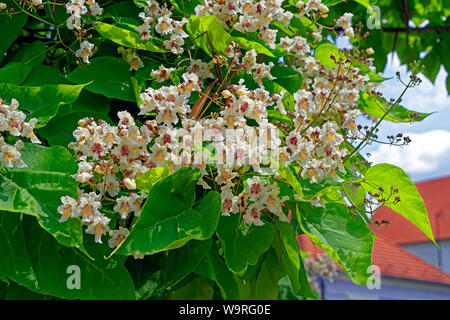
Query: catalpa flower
[
  {"x": 97, "y": 226},
  {"x": 85, "y": 51},
  {"x": 68, "y": 208},
  {"x": 117, "y": 236},
  {"x": 162, "y": 74}
]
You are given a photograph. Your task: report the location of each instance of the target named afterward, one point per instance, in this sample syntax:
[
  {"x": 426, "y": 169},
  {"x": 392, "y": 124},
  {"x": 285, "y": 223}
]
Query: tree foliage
[{"x": 76, "y": 72}]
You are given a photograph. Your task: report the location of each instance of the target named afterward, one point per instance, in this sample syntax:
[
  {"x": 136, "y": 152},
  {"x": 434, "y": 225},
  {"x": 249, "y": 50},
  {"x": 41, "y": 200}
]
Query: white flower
[
  {"x": 174, "y": 44},
  {"x": 161, "y": 74},
  {"x": 164, "y": 25},
  {"x": 129, "y": 183},
  {"x": 123, "y": 206},
  {"x": 95, "y": 10},
  {"x": 253, "y": 215},
  {"x": 68, "y": 208},
  {"x": 85, "y": 51},
  {"x": 89, "y": 203},
  {"x": 117, "y": 236},
  {"x": 98, "y": 226}
]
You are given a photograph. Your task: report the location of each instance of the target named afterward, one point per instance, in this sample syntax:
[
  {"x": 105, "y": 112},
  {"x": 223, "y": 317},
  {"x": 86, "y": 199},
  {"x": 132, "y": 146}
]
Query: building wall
[
  {"x": 429, "y": 252},
  {"x": 391, "y": 289}
]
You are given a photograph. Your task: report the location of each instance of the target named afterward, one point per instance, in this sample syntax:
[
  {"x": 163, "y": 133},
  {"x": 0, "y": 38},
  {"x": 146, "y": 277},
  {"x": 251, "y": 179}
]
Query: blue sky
[{"x": 428, "y": 155}]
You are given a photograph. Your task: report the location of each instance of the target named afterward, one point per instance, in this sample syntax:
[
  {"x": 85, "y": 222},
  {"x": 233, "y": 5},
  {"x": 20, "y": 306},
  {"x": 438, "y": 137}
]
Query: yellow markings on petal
[{"x": 67, "y": 210}]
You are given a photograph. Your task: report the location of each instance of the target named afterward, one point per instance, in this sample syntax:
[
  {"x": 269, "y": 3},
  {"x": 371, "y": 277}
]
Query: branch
[
  {"x": 418, "y": 30},
  {"x": 406, "y": 20}
]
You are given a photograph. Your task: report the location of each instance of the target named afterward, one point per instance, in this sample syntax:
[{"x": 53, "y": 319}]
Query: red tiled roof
[
  {"x": 393, "y": 261},
  {"x": 436, "y": 195}
]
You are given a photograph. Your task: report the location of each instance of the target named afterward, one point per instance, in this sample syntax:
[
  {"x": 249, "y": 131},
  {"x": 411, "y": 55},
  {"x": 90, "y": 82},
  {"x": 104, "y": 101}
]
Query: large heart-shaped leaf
[
  {"x": 14, "y": 73},
  {"x": 11, "y": 27},
  {"x": 110, "y": 77},
  {"x": 125, "y": 37},
  {"x": 287, "y": 248},
  {"x": 377, "y": 107},
  {"x": 168, "y": 220},
  {"x": 37, "y": 262},
  {"x": 208, "y": 31},
  {"x": 323, "y": 53},
  {"x": 36, "y": 190},
  {"x": 42, "y": 102},
  {"x": 243, "y": 244},
  {"x": 214, "y": 267},
  {"x": 155, "y": 273},
  {"x": 346, "y": 239},
  {"x": 411, "y": 205}
]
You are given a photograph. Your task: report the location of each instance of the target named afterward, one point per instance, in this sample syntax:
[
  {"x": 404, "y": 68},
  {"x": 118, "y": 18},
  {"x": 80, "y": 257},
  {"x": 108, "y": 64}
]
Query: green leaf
[
  {"x": 269, "y": 275},
  {"x": 42, "y": 102},
  {"x": 183, "y": 261},
  {"x": 275, "y": 115},
  {"x": 411, "y": 205},
  {"x": 11, "y": 27},
  {"x": 214, "y": 267},
  {"x": 87, "y": 102},
  {"x": 146, "y": 181},
  {"x": 365, "y": 3},
  {"x": 16, "y": 263},
  {"x": 17, "y": 292},
  {"x": 158, "y": 272},
  {"x": 36, "y": 190},
  {"x": 125, "y": 37},
  {"x": 243, "y": 244},
  {"x": 311, "y": 190},
  {"x": 373, "y": 77},
  {"x": 249, "y": 44},
  {"x": 431, "y": 64},
  {"x": 287, "y": 78},
  {"x": 37, "y": 262},
  {"x": 202, "y": 27},
  {"x": 110, "y": 76},
  {"x": 323, "y": 53},
  {"x": 291, "y": 260},
  {"x": 41, "y": 75},
  {"x": 289, "y": 176},
  {"x": 168, "y": 221},
  {"x": 377, "y": 107},
  {"x": 347, "y": 240},
  {"x": 59, "y": 130},
  {"x": 66, "y": 120},
  {"x": 186, "y": 8},
  {"x": 30, "y": 54},
  {"x": 14, "y": 73},
  {"x": 199, "y": 288}
]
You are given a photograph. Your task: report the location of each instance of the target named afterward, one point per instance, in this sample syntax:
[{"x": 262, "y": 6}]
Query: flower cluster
[
  {"x": 159, "y": 19},
  {"x": 12, "y": 123},
  {"x": 258, "y": 197},
  {"x": 77, "y": 8},
  {"x": 234, "y": 145},
  {"x": 321, "y": 265},
  {"x": 248, "y": 16},
  {"x": 109, "y": 159}
]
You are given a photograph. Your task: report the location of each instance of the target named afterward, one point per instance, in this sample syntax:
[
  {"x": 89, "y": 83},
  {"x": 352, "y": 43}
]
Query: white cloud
[
  {"x": 427, "y": 152},
  {"x": 426, "y": 97}
]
